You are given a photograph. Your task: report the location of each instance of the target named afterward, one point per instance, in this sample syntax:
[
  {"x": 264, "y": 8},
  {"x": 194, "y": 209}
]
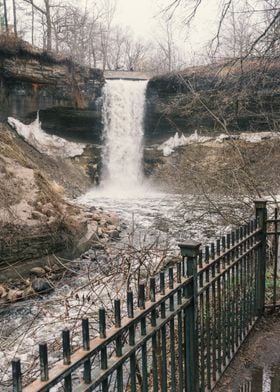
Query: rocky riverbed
[
  {"x": 21, "y": 281},
  {"x": 138, "y": 245}
]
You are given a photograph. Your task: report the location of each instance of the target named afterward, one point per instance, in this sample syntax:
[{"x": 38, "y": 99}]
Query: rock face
[
  {"x": 66, "y": 94},
  {"x": 247, "y": 98},
  {"x": 33, "y": 247}
]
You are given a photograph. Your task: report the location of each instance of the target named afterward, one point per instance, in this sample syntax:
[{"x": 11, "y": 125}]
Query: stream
[{"x": 153, "y": 222}]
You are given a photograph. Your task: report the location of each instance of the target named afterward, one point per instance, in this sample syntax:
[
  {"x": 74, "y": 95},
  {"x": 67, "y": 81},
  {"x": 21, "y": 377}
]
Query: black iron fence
[
  {"x": 273, "y": 260},
  {"x": 185, "y": 334}
]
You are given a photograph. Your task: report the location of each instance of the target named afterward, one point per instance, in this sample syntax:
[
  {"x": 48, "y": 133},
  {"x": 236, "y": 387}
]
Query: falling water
[{"x": 123, "y": 115}]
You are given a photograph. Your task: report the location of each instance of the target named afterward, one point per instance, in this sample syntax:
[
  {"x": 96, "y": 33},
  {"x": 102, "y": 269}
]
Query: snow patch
[
  {"x": 175, "y": 141},
  {"x": 52, "y": 145},
  {"x": 259, "y": 136}
]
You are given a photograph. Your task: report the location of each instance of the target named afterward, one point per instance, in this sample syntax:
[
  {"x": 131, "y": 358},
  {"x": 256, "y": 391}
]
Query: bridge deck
[{"x": 128, "y": 75}]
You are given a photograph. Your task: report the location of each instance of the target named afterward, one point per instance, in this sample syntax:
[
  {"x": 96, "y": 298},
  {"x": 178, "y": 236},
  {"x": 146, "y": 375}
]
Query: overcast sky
[{"x": 141, "y": 16}]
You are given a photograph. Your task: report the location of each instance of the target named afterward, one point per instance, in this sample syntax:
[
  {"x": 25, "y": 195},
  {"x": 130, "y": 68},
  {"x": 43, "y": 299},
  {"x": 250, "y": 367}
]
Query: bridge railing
[{"x": 183, "y": 336}]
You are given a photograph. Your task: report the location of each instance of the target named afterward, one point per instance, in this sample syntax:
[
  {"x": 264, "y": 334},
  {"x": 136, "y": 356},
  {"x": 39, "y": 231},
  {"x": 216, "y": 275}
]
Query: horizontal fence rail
[{"x": 183, "y": 336}]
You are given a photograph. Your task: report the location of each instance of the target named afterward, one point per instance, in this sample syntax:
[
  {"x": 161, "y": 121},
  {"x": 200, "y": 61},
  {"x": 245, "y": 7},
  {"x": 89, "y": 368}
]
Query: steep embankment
[
  {"x": 234, "y": 97},
  {"x": 35, "y": 218}
]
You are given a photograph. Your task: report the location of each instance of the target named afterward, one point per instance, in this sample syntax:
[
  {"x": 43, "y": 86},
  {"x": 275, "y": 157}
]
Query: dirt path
[{"x": 257, "y": 365}]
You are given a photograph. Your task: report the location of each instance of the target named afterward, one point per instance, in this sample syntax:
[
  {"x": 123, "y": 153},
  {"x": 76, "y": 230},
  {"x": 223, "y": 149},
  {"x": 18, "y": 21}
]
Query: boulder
[
  {"x": 97, "y": 245},
  {"x": 100, "y": 232},
  {"x": 92, "y": 254},
  {"x": 96, "y": 217},
  {"x": 114, "y": 234},
  {"x": 38, "y": 271},
  {"x": 36, "y": 215},
  {"x": 102, "y": 260},
  {"x": 48, "y": 210},
  {"x": 113, "y": 219},
  {"x": 111, "y": 227},
  {"x": 14, "y": 295},
  {"x": 3, "y": 291},
  {"x": 28, "y": 292},
  {"x": 40, "y": 285}
]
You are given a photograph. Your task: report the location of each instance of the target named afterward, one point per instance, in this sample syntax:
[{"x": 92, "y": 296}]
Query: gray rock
[
  {"x": 102, "y": 259},
  {"x": 36, "y": 215},
  {"x": 92, "y": 255},
  {"x": 97, "y": 246},
  {"x": 41, "y": 285},
  {"x": 114, "y": 234}
]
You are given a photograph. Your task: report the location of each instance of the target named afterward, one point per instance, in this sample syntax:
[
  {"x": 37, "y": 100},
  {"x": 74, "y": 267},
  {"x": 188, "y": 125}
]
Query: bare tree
[
  {"x": 135, "y": 52},
  {"x": 116, "y": 53},
  {"x": 237, "y": 36},
  {"x": 272, "y": 40},
  {"x": 267, "y": 25},
  {"x": 166, "y": 44},
  {"x": 109, "y": 9},
  {"x": 5, "y": 15},
  {"x": 46, "y": 13},
  {"x": 15, "y": 17}
]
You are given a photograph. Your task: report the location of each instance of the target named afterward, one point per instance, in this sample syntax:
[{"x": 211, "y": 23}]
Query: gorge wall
[
  {"x": 66, "y": 94},
  {"x": 233, "y": 96}
]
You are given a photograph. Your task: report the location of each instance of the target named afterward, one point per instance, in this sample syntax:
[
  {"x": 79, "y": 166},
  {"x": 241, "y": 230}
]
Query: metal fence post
[
  {"x": 17, "y": 376},
  {"x": 190, "y": 250},
  {"x": 261, "y": 216}
]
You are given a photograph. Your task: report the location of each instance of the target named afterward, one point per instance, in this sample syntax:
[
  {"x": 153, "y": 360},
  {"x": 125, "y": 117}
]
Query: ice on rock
[
  {"x": 175, "y": 141},
  {"x": 52, "y": 145}
]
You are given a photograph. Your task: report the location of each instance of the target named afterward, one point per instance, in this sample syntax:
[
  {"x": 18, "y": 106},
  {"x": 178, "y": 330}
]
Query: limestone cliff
[
  {"x": 65, "y": 93},
  {"x": 238, "y": 97}
]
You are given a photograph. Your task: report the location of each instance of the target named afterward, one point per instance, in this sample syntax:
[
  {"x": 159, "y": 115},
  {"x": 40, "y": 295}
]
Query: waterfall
[{"x": 123, "y": 115}]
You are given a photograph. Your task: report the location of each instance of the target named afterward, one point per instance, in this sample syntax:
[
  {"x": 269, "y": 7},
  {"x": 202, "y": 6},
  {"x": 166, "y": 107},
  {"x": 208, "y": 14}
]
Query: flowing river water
[{"x": 149, "y": 217}]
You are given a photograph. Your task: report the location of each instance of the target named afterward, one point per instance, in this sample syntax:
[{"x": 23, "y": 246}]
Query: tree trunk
[
  {"x": 32, "y": 25},
  {"x": 94, "y": 56},
  {"x": 15, "y": 17},
  {"x": 49, "y": 25},
  {"x": 5, "y": 16}
]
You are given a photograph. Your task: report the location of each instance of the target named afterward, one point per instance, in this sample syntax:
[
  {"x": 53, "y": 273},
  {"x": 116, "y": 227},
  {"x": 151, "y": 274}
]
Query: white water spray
[{"x": 123, "y": 115}]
